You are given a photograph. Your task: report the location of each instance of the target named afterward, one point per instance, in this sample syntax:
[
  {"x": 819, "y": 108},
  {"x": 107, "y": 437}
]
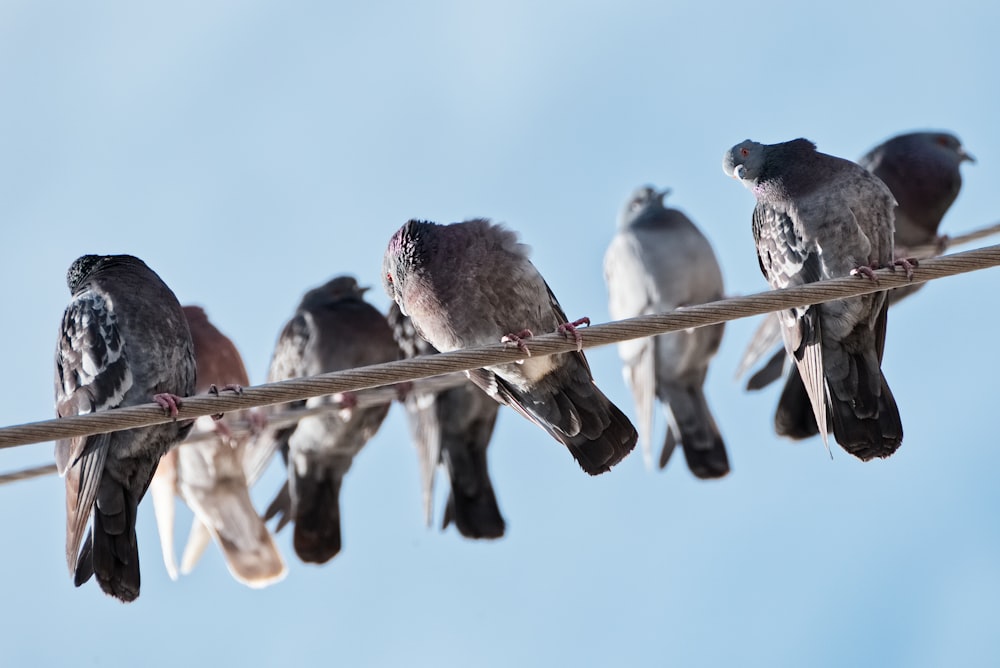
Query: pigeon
[
  {"x": 922, "y": 171},
  {"x": 657, "y": 262},
  {"x": 209, "y": 475},
  {"x": 820, "y": 217},
  {"x": 333, "y": 329},
  {"x": 123, "y": 341},
  {"x": 452, "y": 427},
  {"x": 471, "y": 283}
]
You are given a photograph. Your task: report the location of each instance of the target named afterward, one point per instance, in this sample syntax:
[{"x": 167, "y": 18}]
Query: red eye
[
  {"x": 744, "y": 152},
  {"x": 388, "y": 277}
]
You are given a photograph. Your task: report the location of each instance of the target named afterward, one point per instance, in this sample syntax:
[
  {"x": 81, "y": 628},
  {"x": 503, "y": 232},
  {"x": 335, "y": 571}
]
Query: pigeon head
[
  {"x": 407, "y": 249},
  {"x": 950, "y": 144},
  {"x": 82, "y": 268},
  {"x": 745, "y": 161},
  {"x": 642, "y": 200},
  {"x": 195, "y": 313},
  {"x": 85, "y": 266},
  {"x": 334, "y": 290}
]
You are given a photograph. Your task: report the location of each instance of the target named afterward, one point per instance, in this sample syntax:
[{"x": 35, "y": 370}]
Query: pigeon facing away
[
  {"x": 657, "y": 262},
  {"x": 819, "y": 217},
  {"x": 123, "y": 342},
  {"x": 471, "y": 284},
  {"x": 452, "y": 427},
  {"x": 209, "y": 475},
  {"x": 333, "y": 329}
]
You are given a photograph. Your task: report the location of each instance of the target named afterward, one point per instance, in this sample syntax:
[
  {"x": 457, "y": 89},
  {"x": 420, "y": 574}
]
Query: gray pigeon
[
  {"x": 820, "y": 217},
  {"x": 333, "y": 329},
  {"x": 123, "y": 341},
  {"x": 657, "y": 262},
  {"x": 471, "y": 284},
  {"x": 922, "y": 171},
  {"x": 209, "y": 475},
  {"x": 452, "y": 427}
]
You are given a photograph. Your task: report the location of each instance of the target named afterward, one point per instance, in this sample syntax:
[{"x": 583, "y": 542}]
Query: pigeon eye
[
  {"x": 388, "y": 277},
  {"x": 744, "y": 152}
]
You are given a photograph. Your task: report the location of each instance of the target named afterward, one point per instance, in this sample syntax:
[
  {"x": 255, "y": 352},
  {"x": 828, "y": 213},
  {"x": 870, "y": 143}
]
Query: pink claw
[
  {"x": 866, "y": 271},
  {"x": 212, "y": 389},
  {"x": 907, "y": 263},
  {"x": 570, "y": 328},
  {"x": 170, "y": 402},
  {"x": 347, "y": 400},
  {"x": 403, "y": 389},
  {"x": 518, "y": 339}
]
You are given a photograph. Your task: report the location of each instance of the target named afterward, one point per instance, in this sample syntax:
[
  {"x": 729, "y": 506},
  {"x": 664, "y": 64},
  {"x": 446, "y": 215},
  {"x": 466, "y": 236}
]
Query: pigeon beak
[
  {"x": 964, "y": 155},
  {"x": 364, "y": 289},
  {"x": 738, "y": 172},
  {"x": 663, "y": 193}
]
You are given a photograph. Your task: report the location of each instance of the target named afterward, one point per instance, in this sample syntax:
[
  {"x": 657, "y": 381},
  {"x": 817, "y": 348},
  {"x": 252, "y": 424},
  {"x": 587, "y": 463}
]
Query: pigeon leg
[
  {"x": 170, "y": 402},
  {"x": 518, "y": 340},
  {"x": 570, "y": 328},
  {"x": 867, "y": 271},
  {"x": 907, "y": 263},
  {"x": 213, "y": 389}
]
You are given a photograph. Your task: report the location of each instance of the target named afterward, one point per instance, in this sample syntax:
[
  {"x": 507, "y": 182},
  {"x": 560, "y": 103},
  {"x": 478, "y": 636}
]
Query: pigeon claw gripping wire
[
  {"x": 170, "y": 402},
  {"x": 231, "y": 387},
  {"x": 518, "y": 340},
  {"x": 907, "y": 263},
  {"x": 865, "y": 271},
  {"x": 569, "y": 328}
]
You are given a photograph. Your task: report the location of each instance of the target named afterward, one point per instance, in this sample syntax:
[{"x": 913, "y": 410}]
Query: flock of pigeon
[{"x": 125, "y": 340}]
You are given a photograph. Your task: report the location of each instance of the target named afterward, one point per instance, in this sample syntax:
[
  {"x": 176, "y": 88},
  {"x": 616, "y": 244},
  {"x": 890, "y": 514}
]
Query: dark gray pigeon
[
  {"x": 471, "y": 284},
  {"x": 657, "y": 262},
  {"x": 123, "y": 342},
  {"x": 922, "y": 171},
  {"x": 452, "y": 427},
  {"x": 209, "y": 475},
  {"x": 333, "y": 329},
  {"x": 820, "y": 217}
]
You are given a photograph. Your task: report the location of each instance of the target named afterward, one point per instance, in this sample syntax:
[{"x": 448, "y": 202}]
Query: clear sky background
[{"x": 249, "y": 151}]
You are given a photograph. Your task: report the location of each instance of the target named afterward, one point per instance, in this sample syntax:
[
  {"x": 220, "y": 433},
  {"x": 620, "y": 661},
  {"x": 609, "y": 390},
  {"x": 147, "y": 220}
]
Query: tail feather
[
  {"x": 794, "y": 416},
  {"x": 316, "y": 509},
  {"x": 704, "y": 449},
  {"x": 111, "y": 552},
  {"x": 868, "y": 438},
  {"x": 472, "y": 504}
]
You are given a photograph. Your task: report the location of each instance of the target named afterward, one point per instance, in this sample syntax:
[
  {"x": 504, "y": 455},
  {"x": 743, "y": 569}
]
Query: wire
[{"x": 354, "y": 380}]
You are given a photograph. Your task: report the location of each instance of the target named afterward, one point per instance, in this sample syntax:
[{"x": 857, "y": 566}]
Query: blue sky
[{"x": 249, "y": 151}]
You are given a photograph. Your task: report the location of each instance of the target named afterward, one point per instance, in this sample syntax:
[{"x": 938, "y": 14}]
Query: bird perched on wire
[
  {"x": 659, "y": 261},
  {"x": 123, "y": 341},
  {"x": 333, "y": 329},
  {"x": 922, "y": 171},
  {"x": 471, "y": 283},
  {"x": 453, "y": 427},
  {"x": 820, "y": 217},
  {"x": 209, "y": 474}
]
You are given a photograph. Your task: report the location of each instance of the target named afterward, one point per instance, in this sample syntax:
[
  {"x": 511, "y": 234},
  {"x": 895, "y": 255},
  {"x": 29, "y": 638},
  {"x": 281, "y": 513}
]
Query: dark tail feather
[
  {"x": 316, "y": 509},
  {"x": 700, "y": 439},
  {"x": 472, "y": 505},
  {"x": 768, "y": 373},
  {"x": 868, "y": 438},
  {"x": 669, "y": 444},
  {"x": 794, "y": 416},
  {"x": 598, "y": 455},
  {"x": 110, "y": 551}
]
